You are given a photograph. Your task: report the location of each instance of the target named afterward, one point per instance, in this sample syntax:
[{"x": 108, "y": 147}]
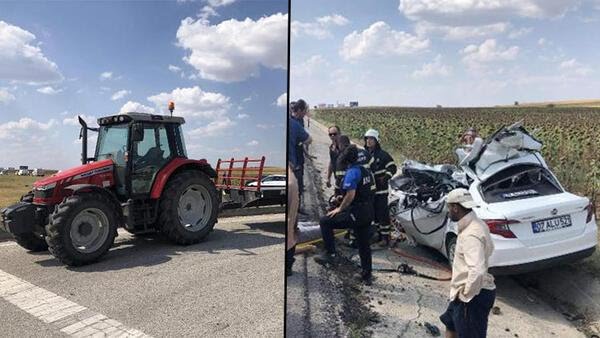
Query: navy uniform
[
  {"x": 357, "y": 216},
  {"x": 383, "y": 168}
]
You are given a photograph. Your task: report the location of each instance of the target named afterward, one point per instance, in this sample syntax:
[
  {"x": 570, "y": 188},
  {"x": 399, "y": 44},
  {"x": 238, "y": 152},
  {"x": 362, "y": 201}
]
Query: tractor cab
[{"x": 139, "y": 145}]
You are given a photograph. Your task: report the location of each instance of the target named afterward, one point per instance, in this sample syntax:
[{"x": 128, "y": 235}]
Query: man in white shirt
[{"x": 472, "y": 288}]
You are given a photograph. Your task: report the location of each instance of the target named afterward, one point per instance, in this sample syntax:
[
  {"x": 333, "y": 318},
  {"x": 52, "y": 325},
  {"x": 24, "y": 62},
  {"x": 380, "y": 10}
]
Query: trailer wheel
[
  {"x": 188, "y": 207},
  {"x": 32, "y": 242},
  {"x": 82, "y": 228}
]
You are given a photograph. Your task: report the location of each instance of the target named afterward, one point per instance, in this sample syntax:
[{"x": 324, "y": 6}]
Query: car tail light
[
  {"x": 501, "y": 227},
  {"x": 591, "y": 212}
]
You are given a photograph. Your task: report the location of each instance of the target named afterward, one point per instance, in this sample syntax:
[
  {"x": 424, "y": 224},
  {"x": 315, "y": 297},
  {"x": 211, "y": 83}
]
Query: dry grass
[{"x": 12, "y": 187}]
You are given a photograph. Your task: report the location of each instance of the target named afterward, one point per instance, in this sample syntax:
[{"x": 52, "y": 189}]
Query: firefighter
[
  {"x": 383, "y": 168},
  {"x": 355, "y": 212}
]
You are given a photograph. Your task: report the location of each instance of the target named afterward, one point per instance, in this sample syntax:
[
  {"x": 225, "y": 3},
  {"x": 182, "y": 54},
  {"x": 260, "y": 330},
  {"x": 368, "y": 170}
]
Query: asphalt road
[
  {"x": 558, "y": 302},
  {"x": 229, "y": 285}
]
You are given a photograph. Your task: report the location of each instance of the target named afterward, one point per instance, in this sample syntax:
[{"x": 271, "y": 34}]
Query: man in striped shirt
[{"x": 383, "y": 168}]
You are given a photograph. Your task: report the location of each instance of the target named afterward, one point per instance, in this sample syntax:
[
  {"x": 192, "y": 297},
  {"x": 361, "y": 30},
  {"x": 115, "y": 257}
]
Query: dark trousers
[
  {"x": 382, "y": 215},
  {"x": 360, "y": 225},
  {"x": 470, "y": 320},
  {"x": 299, "y": 172},
  {"x": 289, "y": 257}
]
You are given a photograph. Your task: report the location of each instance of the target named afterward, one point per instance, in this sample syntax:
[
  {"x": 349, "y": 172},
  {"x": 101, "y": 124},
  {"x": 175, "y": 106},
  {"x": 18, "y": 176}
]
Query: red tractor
[{"x": 139, "y": 178}]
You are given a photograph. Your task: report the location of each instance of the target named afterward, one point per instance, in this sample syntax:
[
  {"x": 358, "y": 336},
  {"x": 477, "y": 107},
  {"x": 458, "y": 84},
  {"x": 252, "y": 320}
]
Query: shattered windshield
[{"x": 519, "y": 182}]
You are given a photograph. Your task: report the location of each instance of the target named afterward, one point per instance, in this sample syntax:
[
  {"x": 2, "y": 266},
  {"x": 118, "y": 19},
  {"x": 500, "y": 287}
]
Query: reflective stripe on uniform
[
  {"x": 379, "y": 172},
  {"x": 381, "y": 192},
  {"x": 340, "y": 173},
  {"x": 389, "y": 174},
  {"x": 390, "y": 163}
]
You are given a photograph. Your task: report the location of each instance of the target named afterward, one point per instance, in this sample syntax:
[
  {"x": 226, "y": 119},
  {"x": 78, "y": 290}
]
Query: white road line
[
  {"x": 8, "y": 244},
  {"x": 68, "y": 317}
]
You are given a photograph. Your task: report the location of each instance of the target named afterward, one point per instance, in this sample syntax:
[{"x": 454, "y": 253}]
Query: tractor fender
[
  {"x": 175, "y": 166},
  {"x": 77, "y": 189}
]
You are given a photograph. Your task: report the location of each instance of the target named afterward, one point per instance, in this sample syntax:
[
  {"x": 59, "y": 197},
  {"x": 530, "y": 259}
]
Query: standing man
[
  {"x": 334, "y": 151},
  {"x": 299, "y": 109},
  {"x": 297, "y": 136},
  {"x": 472, "y": 288},
  {"x": 383, "y": 168},
  {"x": 355, "y": 211}
]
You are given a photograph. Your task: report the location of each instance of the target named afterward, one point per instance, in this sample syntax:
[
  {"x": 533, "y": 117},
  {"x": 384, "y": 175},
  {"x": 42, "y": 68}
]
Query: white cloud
[
  {"x": 242, "y": 116},
  {"x": 573, "y": 67},
  {"x": 480, "y": 12},
  {"x": 517, "y": 33},
  {"x": 320, "y": 28},
  {"x": 542, "y": 41},
  {"x": 281, "y": 100},
  {"x": 381, "y": 40},
  {"x": 24, "y": 128},
  {"x": 6, "y": 96},
  {"x": 22, "y": 60},
  {"x": 252, "y": 143},
  {"x": 234, "y": 50},
  {"x": 312, "y": 65},
  {"x": 174, "y": 69},
  {"x": 335, "y": 19},
  {"x": 74, "y": 121},
  {"x": 106, "y": 76},
  {"x": 489, "y": 51},
  {"x": 132, "y": 106},
  {"x": 219, "y": 3},
  {"x": 460, "y": 32},
  {"x": 435, "y": 68},
  {"x": 193, "y": 102},
  {"x": 214, "y": 128},
  {"x": 120, "y": 94},
  {"x": 49, "y": 90}
]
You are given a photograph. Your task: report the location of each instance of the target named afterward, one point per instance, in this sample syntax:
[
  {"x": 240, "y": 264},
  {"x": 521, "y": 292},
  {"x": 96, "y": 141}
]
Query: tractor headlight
[{"x": 44, "y": 191}]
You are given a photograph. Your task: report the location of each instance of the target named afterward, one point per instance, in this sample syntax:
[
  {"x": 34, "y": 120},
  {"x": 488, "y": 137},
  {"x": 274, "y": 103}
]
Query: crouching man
[
  {"x": 354, "y": 212},
  {"x": 472, "y": 288}
]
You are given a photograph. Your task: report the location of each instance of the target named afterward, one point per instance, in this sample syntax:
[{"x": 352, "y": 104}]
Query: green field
[
  {"x": 12, "y": 187},
  {"x": 571, "y": 135}
]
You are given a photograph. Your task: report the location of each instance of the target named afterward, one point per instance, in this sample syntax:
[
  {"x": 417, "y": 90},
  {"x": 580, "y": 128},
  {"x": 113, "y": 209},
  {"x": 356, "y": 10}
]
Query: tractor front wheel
[
  {"x": 82, "y": 228},
  {"x": 188, "y": 207}
]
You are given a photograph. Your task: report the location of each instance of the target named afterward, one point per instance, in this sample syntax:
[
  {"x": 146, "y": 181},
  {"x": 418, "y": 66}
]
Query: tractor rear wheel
[
  {"x": 82, "y": 228},
  {"x": 32, "y": 241},
  {"x": 188, "y": 207}
]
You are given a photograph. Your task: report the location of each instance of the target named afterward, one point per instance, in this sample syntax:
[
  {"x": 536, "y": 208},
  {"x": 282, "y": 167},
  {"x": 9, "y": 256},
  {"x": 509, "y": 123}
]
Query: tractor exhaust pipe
[{"x": 83, "y": 137}]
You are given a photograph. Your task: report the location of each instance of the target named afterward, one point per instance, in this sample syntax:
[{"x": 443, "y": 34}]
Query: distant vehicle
[
  {"x": 23, "y": 167},
  {"x": 353, "y": 103},
  {"x": 38, "y": 172},
  {"x": 23, "y": 172},
  {"x": 273, "y": 188},
  {"x": 2, "y": 173}
]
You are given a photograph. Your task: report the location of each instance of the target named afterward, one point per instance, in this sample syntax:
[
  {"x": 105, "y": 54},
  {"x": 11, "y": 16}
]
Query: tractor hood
[{"x": 75, "y": 173}]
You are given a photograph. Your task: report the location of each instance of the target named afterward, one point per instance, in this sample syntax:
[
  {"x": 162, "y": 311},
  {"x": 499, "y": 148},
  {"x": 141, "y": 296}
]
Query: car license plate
[{"x": 550, "y": 224}]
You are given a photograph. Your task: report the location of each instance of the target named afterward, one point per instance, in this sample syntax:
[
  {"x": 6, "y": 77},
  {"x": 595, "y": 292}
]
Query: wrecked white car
[{"x": 533, "y": 221}]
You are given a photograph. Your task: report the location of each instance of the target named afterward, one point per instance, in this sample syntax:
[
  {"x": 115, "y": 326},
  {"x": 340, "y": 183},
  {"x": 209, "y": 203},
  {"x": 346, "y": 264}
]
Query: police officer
[
  {"x": 383, "y": 168},
  {"x": 355, "y": 211}
]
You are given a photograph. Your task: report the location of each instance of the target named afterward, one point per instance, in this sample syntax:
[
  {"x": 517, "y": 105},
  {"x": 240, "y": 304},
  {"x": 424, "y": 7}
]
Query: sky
[
  {"x": 446, "y": 52},
  {"x": 223, "y": 63}
]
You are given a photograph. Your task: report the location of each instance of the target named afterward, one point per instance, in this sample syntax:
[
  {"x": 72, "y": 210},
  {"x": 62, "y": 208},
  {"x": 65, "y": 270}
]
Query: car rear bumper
[
  {"x": 512, "y": 257},
  {"x": 542, "y": 264}
]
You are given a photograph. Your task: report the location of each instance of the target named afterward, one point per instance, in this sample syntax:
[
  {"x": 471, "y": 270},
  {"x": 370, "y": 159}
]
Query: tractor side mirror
[{"x": 137, "y": 133}]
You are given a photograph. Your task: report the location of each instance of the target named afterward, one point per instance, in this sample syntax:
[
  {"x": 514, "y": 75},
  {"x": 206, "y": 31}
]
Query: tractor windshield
[{"x": 112, "y": 143}]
